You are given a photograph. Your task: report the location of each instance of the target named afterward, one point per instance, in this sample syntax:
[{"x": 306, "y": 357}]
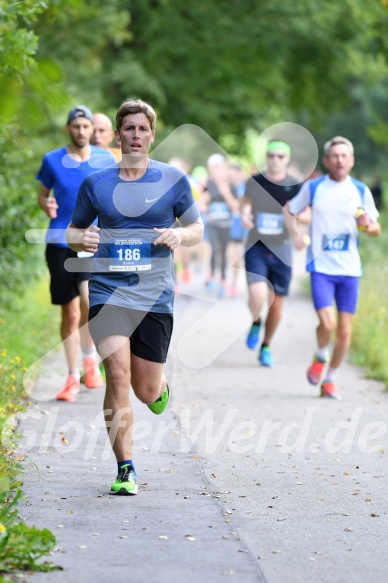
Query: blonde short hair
[{"x": 335, "y": 142}]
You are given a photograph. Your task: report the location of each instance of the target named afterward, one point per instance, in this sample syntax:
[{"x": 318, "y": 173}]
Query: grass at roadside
[
  {"x": 25, "y": 332},
  {"x": 369, "y": 342}
]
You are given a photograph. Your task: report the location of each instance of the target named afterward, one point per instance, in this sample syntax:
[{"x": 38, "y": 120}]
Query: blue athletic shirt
[
  {"x": 129, "y": 270},
  {"x": 63, "y": 174}
]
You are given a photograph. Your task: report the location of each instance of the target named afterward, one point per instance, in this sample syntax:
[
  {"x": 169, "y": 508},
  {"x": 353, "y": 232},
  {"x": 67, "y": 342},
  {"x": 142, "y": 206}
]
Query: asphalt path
[{"x": 248, "y": 475}]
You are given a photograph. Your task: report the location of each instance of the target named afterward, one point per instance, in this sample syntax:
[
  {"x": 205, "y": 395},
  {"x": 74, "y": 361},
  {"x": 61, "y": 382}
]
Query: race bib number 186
[{"x": 129, "y": 255}]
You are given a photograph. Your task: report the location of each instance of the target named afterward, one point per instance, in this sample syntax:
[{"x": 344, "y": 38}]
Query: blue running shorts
[
  {"x": 341, "y": 288},
  {"x": 263, "y": 265}
]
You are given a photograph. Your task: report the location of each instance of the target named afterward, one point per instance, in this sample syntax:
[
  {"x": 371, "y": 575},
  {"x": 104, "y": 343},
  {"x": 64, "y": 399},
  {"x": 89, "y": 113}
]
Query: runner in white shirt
[{"x": 341, "y": 208}]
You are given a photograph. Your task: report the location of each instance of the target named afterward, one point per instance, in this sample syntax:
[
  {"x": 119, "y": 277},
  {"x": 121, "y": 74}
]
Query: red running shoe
[
  {"x": 93, "y": 376},
  {"x": 329, "y": 391},
  {"x": 314, "y": 372},
  {"x": 71, "y": 389}
]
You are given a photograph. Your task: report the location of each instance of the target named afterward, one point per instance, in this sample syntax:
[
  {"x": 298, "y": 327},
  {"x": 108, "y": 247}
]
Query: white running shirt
[{"x": 333, "y": 229}]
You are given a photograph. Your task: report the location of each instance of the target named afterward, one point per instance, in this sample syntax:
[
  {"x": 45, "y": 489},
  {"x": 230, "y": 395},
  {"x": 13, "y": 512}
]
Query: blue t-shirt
[
  {"x": 63, "y": 174},
  {"x": 129, "y": 270}
]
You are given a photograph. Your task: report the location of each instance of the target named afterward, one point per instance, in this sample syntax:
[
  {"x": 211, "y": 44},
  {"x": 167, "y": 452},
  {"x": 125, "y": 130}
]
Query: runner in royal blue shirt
[{"x": 62, "y": 172}]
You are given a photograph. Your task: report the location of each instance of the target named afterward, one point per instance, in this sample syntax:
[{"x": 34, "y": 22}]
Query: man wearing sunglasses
[{"x": 268, "y": 252}]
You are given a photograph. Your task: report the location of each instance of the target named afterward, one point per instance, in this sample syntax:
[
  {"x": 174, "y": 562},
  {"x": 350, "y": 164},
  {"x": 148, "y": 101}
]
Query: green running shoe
[
  {"x": 160, "y": 404},
  {"x": 125, "y": 484}
]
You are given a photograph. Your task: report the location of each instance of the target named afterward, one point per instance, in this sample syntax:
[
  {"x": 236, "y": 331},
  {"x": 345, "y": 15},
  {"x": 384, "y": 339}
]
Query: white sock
[
  {"x": 89, "y": 352},
  {"x": 331, "y": 374},
  {"x": 75, "y": 373},
  {"x": 323, "y": 353}
]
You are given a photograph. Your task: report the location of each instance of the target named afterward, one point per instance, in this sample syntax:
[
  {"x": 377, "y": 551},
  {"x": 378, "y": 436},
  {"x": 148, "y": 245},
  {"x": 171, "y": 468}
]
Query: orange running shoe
[
  {"x": 329, "y": 391},
  {"x": 314, "y": 372},
  {"x": 71, "y": 389},
  {"x": 186, "y": 275},
  {"x": 93, "y": 376}
]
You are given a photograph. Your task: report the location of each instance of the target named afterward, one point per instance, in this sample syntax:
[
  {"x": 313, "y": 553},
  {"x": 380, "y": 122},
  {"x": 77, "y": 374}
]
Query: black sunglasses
[{"x": 273, "y": 155}]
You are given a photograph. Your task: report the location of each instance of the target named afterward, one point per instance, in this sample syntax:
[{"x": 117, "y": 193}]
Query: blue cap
[{"x": 79, "y": 111}]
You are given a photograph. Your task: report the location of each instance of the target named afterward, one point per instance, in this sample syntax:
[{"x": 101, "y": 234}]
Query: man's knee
[{"x": 146, "y": 391}]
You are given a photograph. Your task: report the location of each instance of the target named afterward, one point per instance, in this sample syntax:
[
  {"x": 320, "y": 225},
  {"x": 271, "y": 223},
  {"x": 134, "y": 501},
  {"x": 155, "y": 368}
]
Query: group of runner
[{"x": 129, "y": 213}]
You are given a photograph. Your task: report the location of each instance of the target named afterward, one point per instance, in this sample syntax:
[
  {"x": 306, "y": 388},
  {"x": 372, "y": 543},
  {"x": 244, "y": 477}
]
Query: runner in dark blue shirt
[{"x": 136, "y": 202}]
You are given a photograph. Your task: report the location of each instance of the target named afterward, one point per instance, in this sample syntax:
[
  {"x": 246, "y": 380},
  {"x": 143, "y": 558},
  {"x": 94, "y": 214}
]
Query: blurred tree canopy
[{"x": 227, "y": 66}]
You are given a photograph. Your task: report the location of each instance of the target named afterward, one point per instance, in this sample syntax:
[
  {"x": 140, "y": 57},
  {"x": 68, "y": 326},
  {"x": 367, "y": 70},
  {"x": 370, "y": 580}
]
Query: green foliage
[
  {"x": 20, "y": 545},
  {"x": 24, "y": 87},
  {"x": 369, "y": 339},
  {"x": 25, "y": 333}
]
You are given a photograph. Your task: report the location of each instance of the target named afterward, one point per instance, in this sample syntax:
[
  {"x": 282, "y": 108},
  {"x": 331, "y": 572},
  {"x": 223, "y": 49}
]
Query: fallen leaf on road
[
  {"x": 348, "y": 529},
  {"x": 163, "y": 537},
  {"x": 280, "y": 519},
  {"x": 189, "y": 537},
  {"x": 123, "y": 536}
]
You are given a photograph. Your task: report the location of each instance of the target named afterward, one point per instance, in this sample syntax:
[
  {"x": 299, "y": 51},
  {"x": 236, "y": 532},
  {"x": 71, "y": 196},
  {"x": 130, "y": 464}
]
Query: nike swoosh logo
[{"x": 152, "y": 199}]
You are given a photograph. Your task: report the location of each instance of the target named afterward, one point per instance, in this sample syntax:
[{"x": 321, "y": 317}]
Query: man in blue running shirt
[
  {"x": 131, "y": 289},
  {"x": 62, "y": 172}
]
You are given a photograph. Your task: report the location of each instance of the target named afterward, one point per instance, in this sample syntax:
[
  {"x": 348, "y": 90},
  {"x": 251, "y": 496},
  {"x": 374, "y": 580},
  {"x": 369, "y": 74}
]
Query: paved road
[{"x": 248, "y": 476}]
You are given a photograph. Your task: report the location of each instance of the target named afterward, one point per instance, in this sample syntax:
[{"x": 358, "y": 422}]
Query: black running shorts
[
  {"x": 64, "y": 285},
  {"x": 149, "y": 332}
]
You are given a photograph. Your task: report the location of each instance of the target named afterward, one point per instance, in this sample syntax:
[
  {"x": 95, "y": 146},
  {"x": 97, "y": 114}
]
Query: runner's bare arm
[
  {"x": 47, "y": 203},
  {"x": 374, "y": 229},
  {"x": 299, "y": 239},
  {"x": 246, "y": 212},
  {"x": 187, "y": 236},
  {"x": 83, "y": 239}
]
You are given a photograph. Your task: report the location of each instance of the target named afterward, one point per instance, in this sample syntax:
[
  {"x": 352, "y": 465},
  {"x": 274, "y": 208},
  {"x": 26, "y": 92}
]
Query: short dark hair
[{"x": 133, "y": 105}]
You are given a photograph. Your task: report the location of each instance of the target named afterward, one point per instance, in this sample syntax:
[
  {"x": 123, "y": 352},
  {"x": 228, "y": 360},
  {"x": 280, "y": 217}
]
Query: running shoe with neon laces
[
  {"x": 328, "y": 390},
  {"x": 93, "y": 377},
  {"x": 70, "y": 390},
  {"x": 253, "y": 336},
  {"x": 160, "y": 404},
  {"x": 125, "y": 484},
  {"x": 314, "y": 372},
  {"x": 265, "y": 357}
]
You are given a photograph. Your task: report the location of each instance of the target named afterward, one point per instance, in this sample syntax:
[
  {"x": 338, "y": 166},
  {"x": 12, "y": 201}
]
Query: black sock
[{"x": 258, "y": 321}]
